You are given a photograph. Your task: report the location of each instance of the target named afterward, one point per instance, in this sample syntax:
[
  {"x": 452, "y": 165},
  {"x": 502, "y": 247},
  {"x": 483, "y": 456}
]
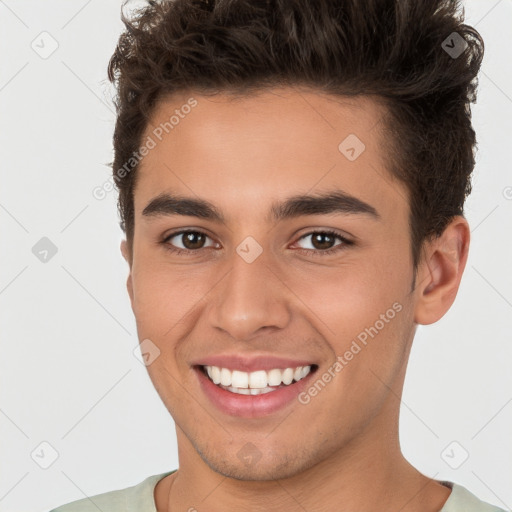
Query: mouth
[
  {"x": 258, "y": 382},
  {"x": 255, "y": 393}
]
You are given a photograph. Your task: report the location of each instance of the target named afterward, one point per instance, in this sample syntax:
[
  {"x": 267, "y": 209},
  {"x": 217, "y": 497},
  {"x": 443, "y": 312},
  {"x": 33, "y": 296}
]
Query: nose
[{"x": 251, "y": 298}]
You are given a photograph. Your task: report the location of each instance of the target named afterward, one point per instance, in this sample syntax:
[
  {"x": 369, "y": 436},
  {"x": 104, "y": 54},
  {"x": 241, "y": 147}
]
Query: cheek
[
  {"x": 368, "y": 333},
  {"x": 164, "y": 303},
  {"x": 352, "y": 296},
  {"x": 362, "y": 310},
  {"x": 168, "y": 299}
]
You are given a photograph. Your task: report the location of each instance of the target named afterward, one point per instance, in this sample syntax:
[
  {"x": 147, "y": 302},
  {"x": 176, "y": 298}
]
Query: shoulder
[
  {"x": 134, "y": 498},
  {"x": 462, "y": 500}
]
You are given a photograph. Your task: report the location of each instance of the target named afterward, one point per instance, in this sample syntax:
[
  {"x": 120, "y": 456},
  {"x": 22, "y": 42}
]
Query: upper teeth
[{"x": 259, "y": 379}]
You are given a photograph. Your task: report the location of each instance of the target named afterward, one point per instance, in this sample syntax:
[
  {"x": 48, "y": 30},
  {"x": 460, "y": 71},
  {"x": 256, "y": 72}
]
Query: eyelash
[{"x": 318, "y": 252}]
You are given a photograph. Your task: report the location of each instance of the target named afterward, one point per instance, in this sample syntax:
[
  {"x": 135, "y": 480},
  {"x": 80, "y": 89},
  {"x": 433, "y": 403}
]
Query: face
[{"x": 262, "y": 279}]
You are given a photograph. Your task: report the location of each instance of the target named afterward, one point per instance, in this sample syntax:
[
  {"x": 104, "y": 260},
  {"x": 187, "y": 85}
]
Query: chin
[{"x": 273, "y": 466}]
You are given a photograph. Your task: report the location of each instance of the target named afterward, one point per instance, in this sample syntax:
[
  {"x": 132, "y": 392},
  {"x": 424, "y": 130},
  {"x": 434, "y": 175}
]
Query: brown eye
[
  {"x": 322, "y": 240},
  {"x": 186, "y": 241},
  {"x": 323, "y": 243},
  {"x": 193, "y": 240}
]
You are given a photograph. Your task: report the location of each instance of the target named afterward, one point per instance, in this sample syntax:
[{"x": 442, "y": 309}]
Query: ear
[
  {"x": 125, "y": 251},
  {"x": 440, "y": 271}
]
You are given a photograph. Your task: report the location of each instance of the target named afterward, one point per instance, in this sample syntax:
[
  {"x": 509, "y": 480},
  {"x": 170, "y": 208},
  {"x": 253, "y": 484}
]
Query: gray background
[{"x": 69, "y": 377}]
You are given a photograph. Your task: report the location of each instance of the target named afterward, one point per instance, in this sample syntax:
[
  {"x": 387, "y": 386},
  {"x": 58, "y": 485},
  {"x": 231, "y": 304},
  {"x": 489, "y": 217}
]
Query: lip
[
  {"x": 251, "y": 364},
  {"x": 252, "y": 406}
]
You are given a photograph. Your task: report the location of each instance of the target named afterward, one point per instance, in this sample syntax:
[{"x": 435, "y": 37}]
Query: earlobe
[
  {"x": 125, "y": 251},
  {"x": 126, "y": 255},
  {"x": 442, "y": 266}
]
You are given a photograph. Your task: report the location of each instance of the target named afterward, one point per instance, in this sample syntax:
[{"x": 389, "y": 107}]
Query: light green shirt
[{"x": 140, "y": 498}]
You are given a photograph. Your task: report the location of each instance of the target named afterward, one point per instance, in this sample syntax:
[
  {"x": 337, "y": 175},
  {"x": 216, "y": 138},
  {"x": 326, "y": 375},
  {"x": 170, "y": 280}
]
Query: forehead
[{"x": 248, "y": 151}]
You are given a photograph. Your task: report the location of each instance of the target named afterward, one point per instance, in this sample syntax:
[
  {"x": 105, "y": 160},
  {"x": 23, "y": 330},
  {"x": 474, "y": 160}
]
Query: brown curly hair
[{"x": 394, "y": 50}]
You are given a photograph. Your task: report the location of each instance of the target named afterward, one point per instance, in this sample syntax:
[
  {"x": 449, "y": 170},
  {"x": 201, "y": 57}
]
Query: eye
[
  {"x": 322, "y": 240},
  {"x": 191, "y": 241}
]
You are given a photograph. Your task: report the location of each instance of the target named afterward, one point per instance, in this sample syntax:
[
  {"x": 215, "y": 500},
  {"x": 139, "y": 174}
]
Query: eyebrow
[{"x": 332, "y": 202}]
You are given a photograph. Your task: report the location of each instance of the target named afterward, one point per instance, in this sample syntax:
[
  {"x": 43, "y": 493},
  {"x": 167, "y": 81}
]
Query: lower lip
[{"x": 251, "y": 406}]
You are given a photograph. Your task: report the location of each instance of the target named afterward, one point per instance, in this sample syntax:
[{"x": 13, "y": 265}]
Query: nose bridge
[{"x": 250, "y": 297}]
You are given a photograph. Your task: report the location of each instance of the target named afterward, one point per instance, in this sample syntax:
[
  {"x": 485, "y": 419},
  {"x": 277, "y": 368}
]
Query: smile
[{"x": 257, "y": 382}]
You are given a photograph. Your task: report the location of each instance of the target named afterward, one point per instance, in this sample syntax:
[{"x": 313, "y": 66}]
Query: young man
[{"x": 292, "y": 176}]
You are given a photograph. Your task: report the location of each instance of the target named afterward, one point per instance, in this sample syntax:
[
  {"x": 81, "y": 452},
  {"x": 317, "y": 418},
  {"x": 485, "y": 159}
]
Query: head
[{"x": 245, "y": 106}]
